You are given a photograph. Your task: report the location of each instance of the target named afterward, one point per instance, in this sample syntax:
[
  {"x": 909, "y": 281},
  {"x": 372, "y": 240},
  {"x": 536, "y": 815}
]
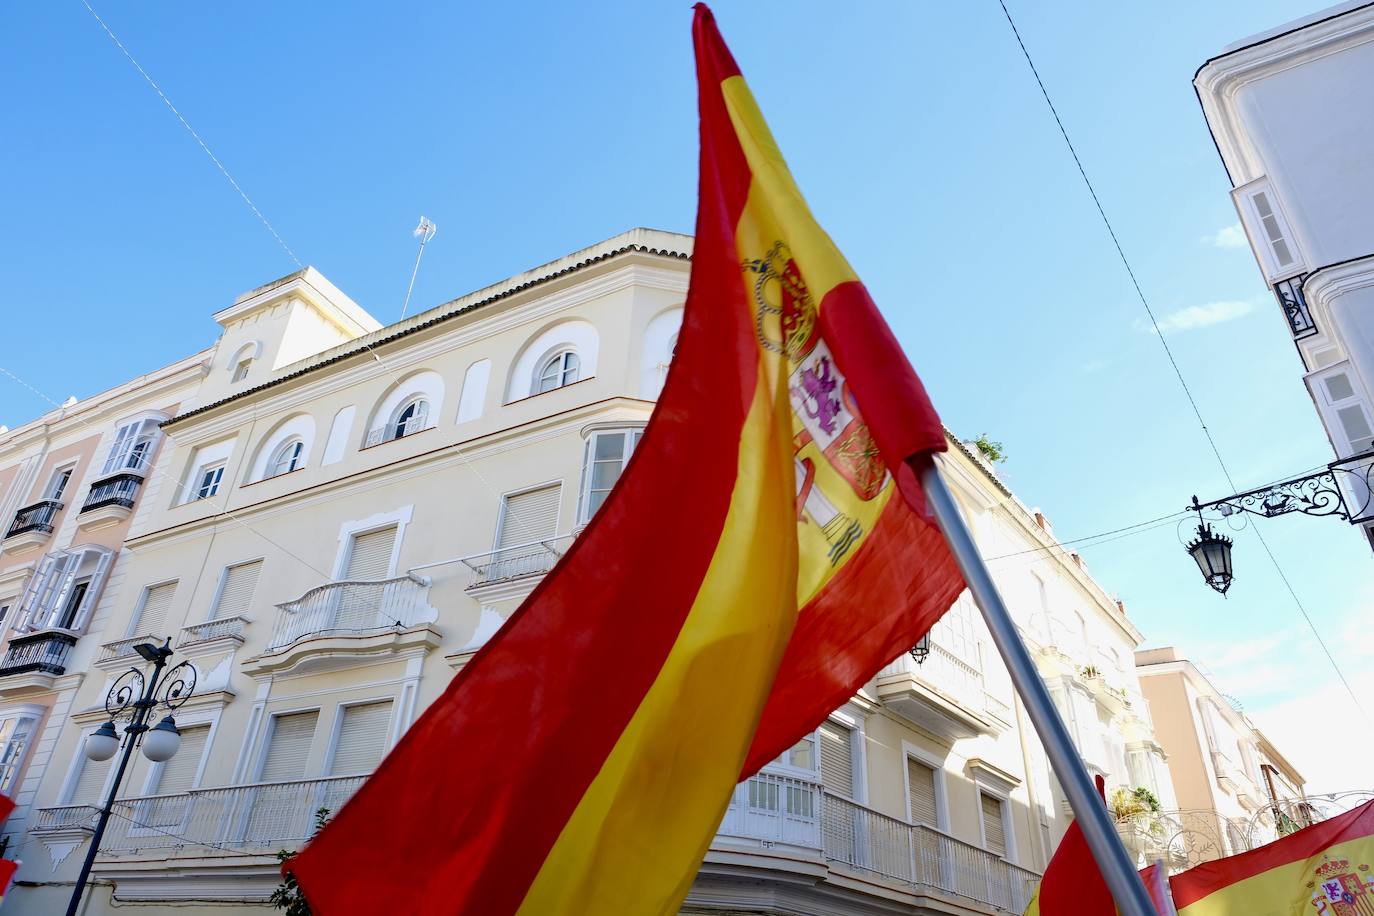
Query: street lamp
[
  {"x": 137, "y": 697},
  {"x": 1212, "y": 553},
  {"x": 921, "y": 651}
]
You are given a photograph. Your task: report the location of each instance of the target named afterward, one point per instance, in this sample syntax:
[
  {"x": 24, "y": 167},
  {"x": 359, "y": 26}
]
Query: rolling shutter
[
  {"x": 236, "y": 595},
  {"x": 529, "y": 516},
  {"x": 180, "y": 772},
  {"x": 837, "y": 759},
  {"x": 91, "y": 780},
  {"x": 286, "y": 755},
  {"x": 370, "y": 556},
  {"x": 920, "y": 780},
  {"x": 362, "y": 739},
  {"x": 156, "y": 600},
  {"x": 994, "y": 834}
]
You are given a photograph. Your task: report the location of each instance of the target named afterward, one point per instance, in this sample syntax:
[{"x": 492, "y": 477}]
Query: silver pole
[{"x": 1122, "y": 879}]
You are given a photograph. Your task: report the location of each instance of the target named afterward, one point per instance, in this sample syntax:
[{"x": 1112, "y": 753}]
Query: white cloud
[
  {"x": 1201, "y": 316},
  {"x": 1323, "y": 735},
  {"x": 1226, "y": 237}
]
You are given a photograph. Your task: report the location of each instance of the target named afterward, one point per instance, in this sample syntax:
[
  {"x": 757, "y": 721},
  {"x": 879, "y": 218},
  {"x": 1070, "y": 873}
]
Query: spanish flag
[
  {"x": 1322, "y": 870},
  {"x": 765, "y": 552},
  {"x": 1073, "y": 885}
]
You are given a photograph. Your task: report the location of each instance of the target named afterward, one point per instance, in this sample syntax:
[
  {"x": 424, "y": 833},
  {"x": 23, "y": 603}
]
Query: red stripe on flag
[{"x": 460, "y": 816}]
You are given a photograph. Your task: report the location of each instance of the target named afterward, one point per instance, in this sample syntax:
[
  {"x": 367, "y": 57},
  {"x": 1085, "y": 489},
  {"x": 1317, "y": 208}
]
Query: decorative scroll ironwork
[
  {"x": 177, "y": 686},
  {"x": 124, "y": 693},
  {"x": 1289, "y": 293},
  {"x": 127, "y": 694},
  {"x": 1342, "y": 490}
]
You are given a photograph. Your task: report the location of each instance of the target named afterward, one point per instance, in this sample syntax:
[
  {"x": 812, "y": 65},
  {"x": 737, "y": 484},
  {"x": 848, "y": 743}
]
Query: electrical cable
[{"x": 1159, "y": 333}]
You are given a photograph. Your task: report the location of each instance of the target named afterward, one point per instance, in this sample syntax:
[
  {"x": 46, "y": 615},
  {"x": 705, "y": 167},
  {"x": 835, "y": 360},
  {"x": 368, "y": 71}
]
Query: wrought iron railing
[
  {"x": 865, "y": 840},
  {"x": 124, "y": 648},
  {"x": 37, "y": 517},
  {"x": 532, "y": 559},
  {"x": 396, "y": 431},
  {"x": 213, "y": 629},
  {"x": 44, "y": 652},
  {"x": 355, "y": 606},
  {"x": 64, "y": 816},
  {"x": 1289, "y": 293},
  {"x": 118, "y": 490}
]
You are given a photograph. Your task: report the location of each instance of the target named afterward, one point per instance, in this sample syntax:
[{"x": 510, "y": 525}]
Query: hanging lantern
[
  {"x": 1212, "y": 553},
  {"x": 921, "y": 650}
]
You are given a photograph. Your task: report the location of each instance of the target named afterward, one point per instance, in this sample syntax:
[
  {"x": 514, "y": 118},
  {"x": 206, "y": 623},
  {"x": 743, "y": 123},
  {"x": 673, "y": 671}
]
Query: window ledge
[
  {"x": 540, "y": 394},
  {"x": 385, "y": 442}
]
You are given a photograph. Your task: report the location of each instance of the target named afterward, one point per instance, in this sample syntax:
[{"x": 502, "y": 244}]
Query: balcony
[
  {"x": 945, "y": 694},
  {"x": 511, "y": 564},
  {"x": 40, "y": 654},
  {"x": 393, "y": 431},
  {"x": 121, "y": 652},
  {"x": 774, "y": 810},
  {"x": 337, "y": 621},
  {"x": 1289, "y": 294},
  {"x": 769, "y": 810},
  {"x": 110, "y": 500},
  {"x": 32, "y": 525},
  {"x": 228, "y": 631}
]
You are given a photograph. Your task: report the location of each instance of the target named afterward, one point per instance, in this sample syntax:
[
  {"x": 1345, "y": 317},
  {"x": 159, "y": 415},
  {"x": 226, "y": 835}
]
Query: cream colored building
[
  {"x": 342, "y": 513},
  {"x": 1230, "y": 780}
]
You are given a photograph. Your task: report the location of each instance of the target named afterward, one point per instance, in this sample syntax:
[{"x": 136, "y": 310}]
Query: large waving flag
[
  {"x": 1073, "y": 886},
  {"x": 1322, "y": 870},
  {"x": 765, "y": 553}
]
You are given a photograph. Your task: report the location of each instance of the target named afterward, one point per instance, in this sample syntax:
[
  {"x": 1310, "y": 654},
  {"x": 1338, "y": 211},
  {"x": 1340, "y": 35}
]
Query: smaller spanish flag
[{"x": 1326, "y": 870}]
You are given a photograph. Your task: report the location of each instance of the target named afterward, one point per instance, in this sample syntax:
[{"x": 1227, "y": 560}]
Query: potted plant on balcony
[
  {"x": 288, "y": 895},
  {"x": 1089, "y": 672}
]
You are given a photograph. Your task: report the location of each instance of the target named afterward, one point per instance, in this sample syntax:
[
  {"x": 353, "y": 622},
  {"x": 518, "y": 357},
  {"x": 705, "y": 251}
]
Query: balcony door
[
  {"x": 369, "y": 558},
  {"x": 282, "y": 809},
  {"x": 527, "y": 519}
]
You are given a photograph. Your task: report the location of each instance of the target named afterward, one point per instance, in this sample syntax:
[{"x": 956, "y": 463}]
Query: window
[
  {"x": 15, "y": 734},
  {"x": 1343, "y": 409},
  {"x": 362, "y": 739},
  {"x": 369, "y": 554},
  {"x": 132, "y": 448},
  {"x": 559, "y": 370},
  {"x": 287, "y": 458},
  {"x": 604, "y": 458},
  {"x": 241, "y": 369},
  {"x": 90, "y": 780},
  {"x": 207, "y": 481},
  {"x": 1274, "y": 231},
  {"x": 236, "y": 587},
  {"x": 412, "y": 417},
  {"x": 152, "y": 609},
  {"x": 178, "y": 774},
  {"x": 837, "y": 758},
  {"x": 4, "y": 614},
  {"x": 994, "y": 824},
  {"x": 923, "y": 807},
  {"x": 58, "y": 485},
  {"x": 288, "y": 746},
  {"x": 529, "y": 516},
  {"x": 64, "y": 588}
]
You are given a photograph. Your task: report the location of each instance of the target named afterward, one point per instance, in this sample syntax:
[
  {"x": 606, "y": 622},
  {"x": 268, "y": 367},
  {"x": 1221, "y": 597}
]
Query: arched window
[
  {"x": 560, "y": 369},
  {"x": 412, "y": 417},
  {"x": 241, "y": 368},
  {"x": 289, "y": 456}
]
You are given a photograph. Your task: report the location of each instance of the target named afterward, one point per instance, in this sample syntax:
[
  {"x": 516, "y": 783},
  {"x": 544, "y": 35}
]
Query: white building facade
[
  {"x": 341, "y": 514},
  {"x": 1292, "y": 113}
]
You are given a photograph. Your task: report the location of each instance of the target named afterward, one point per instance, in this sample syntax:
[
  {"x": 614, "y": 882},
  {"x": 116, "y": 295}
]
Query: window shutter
[
  {"x": 529, "y": 516},
  {"x": 286, "y": 755},
  {"x": 91, "y": 780},
  {"x": 994, "y": 835},
  {"x": 124, "y": 441},
  {"x": 156, "y": 600},
  {"x": 370, "y": 556},
  {"x": 920, "y": 780},
  {"x": 236, "y": 594},
  {"x": 362, "y": 739},
  {"x": 837, "y": 759},
  {"x": 1283, "y": 255},
  {"x": 180, "y": 772}
]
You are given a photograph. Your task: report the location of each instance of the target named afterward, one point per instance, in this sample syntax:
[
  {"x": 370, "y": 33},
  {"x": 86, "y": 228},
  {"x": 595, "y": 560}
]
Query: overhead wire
[{"x": 1178, "y": 372}]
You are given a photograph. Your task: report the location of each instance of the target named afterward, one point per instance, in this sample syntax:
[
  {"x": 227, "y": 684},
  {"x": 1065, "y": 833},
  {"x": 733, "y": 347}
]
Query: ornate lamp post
[
  {"x": 921, "y": 651},
  {"x": 1212, "y": 553},
  {"x": 137, "y": 697}
]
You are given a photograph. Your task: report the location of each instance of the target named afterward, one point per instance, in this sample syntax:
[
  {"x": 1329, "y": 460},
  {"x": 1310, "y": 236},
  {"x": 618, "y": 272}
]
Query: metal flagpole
[{"x": 1121, "y": 877}]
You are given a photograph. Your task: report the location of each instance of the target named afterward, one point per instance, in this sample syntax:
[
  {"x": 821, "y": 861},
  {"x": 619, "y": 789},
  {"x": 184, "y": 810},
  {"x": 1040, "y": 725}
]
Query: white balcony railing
[
  {"x": 868, "y": 841},
  {"x": 410, "y": 427},
  {"x": 124, "y": 648},
  {"x": 213, "y": 629},
  {"x": 357, "y": 606},
  {"x": 946, "y": 672},
  {"x": 532, "y": 559}
]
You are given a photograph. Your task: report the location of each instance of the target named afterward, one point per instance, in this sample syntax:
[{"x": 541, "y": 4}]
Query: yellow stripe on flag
[
  {"x": 1296, "y": 888},
  {"x": 686, "y": 743}
]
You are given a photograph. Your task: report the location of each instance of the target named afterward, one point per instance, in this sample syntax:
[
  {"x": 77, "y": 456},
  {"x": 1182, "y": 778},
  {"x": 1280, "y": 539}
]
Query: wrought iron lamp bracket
[{"x": 1319, "y": 494}]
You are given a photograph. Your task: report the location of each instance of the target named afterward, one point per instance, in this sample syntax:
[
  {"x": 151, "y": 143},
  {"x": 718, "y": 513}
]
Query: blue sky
[{"x": 529, "y": 130}]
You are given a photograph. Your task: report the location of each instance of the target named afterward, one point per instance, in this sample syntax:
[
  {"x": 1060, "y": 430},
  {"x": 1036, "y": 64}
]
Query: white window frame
[
  {"x": 566, "y": 366},
  {"x": 241, "y": 369},
  {"x": 858, "y": 754},
  {"x": 505, "y": 505},
  {"x": 69, "y": 469},
  {"x": 633, "y": 434},
  {"x": 26, "y": 711},
  {"x": 941, "y": 789},
  {"x": 209, "y": 490},
  {"x": 1259, "y": 238},
  {"x": 1327, "y": 406},
  {"x": 290, "y": 453},
  {"x": 78, "y": 762},
  {"x": 52, "y": 582},
  {"x": 137, "y": 618},
  {"x": 218, "y": 595},
  {"x": 145, "y": 431},
  {"x": 337, "y": 729},
  {"x": 399, "y": 518},
  {"x": 1008, "y": 825},
  {"x": 204, "y": 458},
  {"x": 269, "y": 729}
]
